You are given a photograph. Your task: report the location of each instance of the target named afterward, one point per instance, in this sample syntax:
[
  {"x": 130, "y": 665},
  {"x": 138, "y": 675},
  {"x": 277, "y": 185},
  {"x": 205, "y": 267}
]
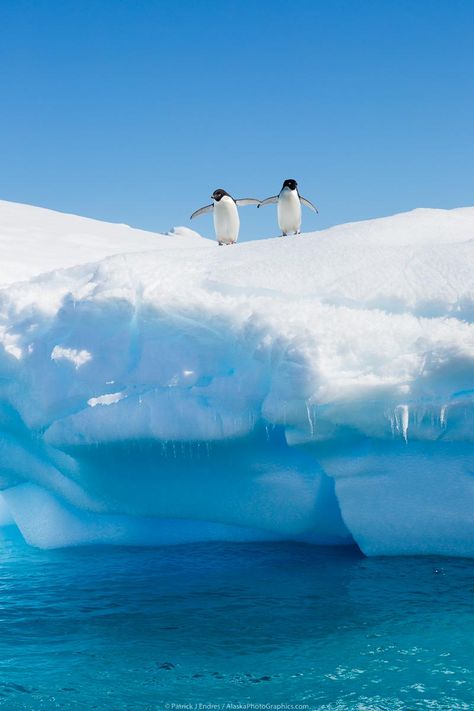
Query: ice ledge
[{"x": 286, "y": 388}]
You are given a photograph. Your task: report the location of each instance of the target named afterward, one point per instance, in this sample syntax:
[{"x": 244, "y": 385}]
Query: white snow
[
  {"x": 34, "y": 240},
  {"x": 109, "y": 399},
  {"x": 71, "y": 354},
  {"x": 159, "y": 388}
]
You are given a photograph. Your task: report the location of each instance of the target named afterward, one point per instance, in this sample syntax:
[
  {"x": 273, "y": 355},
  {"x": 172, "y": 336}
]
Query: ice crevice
[{"x": 159, "y": 390}]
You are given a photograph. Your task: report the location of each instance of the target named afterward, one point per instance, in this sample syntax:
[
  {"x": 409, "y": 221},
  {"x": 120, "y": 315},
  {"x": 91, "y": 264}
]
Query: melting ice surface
[{"x": 157, "y": 389}]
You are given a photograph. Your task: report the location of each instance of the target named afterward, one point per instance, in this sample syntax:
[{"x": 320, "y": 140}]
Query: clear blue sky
[{"x": 135, "y": 110}]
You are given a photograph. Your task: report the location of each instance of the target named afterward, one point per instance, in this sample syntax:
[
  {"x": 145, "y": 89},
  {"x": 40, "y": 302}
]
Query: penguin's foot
[
  {"x": 221, "y": 244},
  {"x": 283, "y": 234}
]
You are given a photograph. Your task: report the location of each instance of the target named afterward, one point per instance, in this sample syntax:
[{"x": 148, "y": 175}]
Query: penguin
[
  {"x": 289, "y": 207},
  {"x": 226, "y": 215}
]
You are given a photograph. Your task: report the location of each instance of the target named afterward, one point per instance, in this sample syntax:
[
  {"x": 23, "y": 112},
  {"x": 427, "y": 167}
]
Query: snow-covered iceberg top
[{"x": 157, "y": 388}]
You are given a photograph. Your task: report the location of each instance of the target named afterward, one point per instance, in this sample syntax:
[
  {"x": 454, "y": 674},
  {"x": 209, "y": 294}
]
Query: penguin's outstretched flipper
[
  {"x": 202, "y": 211},
  {"x": 308, "y": 204},
  {"x": 241, "y": 202},
  {"x": 269, "y": 201}
]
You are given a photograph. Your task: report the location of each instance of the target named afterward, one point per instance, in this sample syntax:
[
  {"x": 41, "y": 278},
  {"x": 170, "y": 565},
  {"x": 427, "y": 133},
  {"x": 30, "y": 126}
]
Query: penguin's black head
[
  {"x": 290, "y": 183},
  {"x": 218, "y": 194}
]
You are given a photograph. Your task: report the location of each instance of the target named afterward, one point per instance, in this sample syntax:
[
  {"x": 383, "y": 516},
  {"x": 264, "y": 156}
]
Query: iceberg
[{"x": 156, "y": 389}]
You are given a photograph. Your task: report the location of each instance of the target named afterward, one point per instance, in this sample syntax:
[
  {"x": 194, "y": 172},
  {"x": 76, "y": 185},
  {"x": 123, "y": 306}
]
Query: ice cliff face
[{"x": 159, "y": 389}]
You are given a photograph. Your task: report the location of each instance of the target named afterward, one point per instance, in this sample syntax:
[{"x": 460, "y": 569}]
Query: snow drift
[{"x": 158, "y": 389}]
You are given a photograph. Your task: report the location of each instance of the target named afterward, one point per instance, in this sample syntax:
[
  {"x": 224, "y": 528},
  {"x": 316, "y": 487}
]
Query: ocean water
[{"x": 226, "y": 626}]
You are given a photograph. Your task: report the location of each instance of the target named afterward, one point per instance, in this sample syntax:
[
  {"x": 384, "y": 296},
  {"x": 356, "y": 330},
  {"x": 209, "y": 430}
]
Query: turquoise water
[{"x": 224, "y": 624}]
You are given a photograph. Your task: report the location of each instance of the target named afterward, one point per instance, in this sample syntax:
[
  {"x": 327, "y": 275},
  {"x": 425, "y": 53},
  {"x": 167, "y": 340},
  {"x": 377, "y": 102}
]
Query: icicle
[
  {"x": 390, "y": 417},
  {"x": 402, "y": 414},
  {"x": 442, "y": 416},
  {"x": 310, "y": 413}
]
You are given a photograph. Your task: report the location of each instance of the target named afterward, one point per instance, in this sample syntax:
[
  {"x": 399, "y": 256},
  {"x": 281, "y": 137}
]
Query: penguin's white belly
[
  {"x": 226, "y": 220},
  {"x": 289, "y": 211}
]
